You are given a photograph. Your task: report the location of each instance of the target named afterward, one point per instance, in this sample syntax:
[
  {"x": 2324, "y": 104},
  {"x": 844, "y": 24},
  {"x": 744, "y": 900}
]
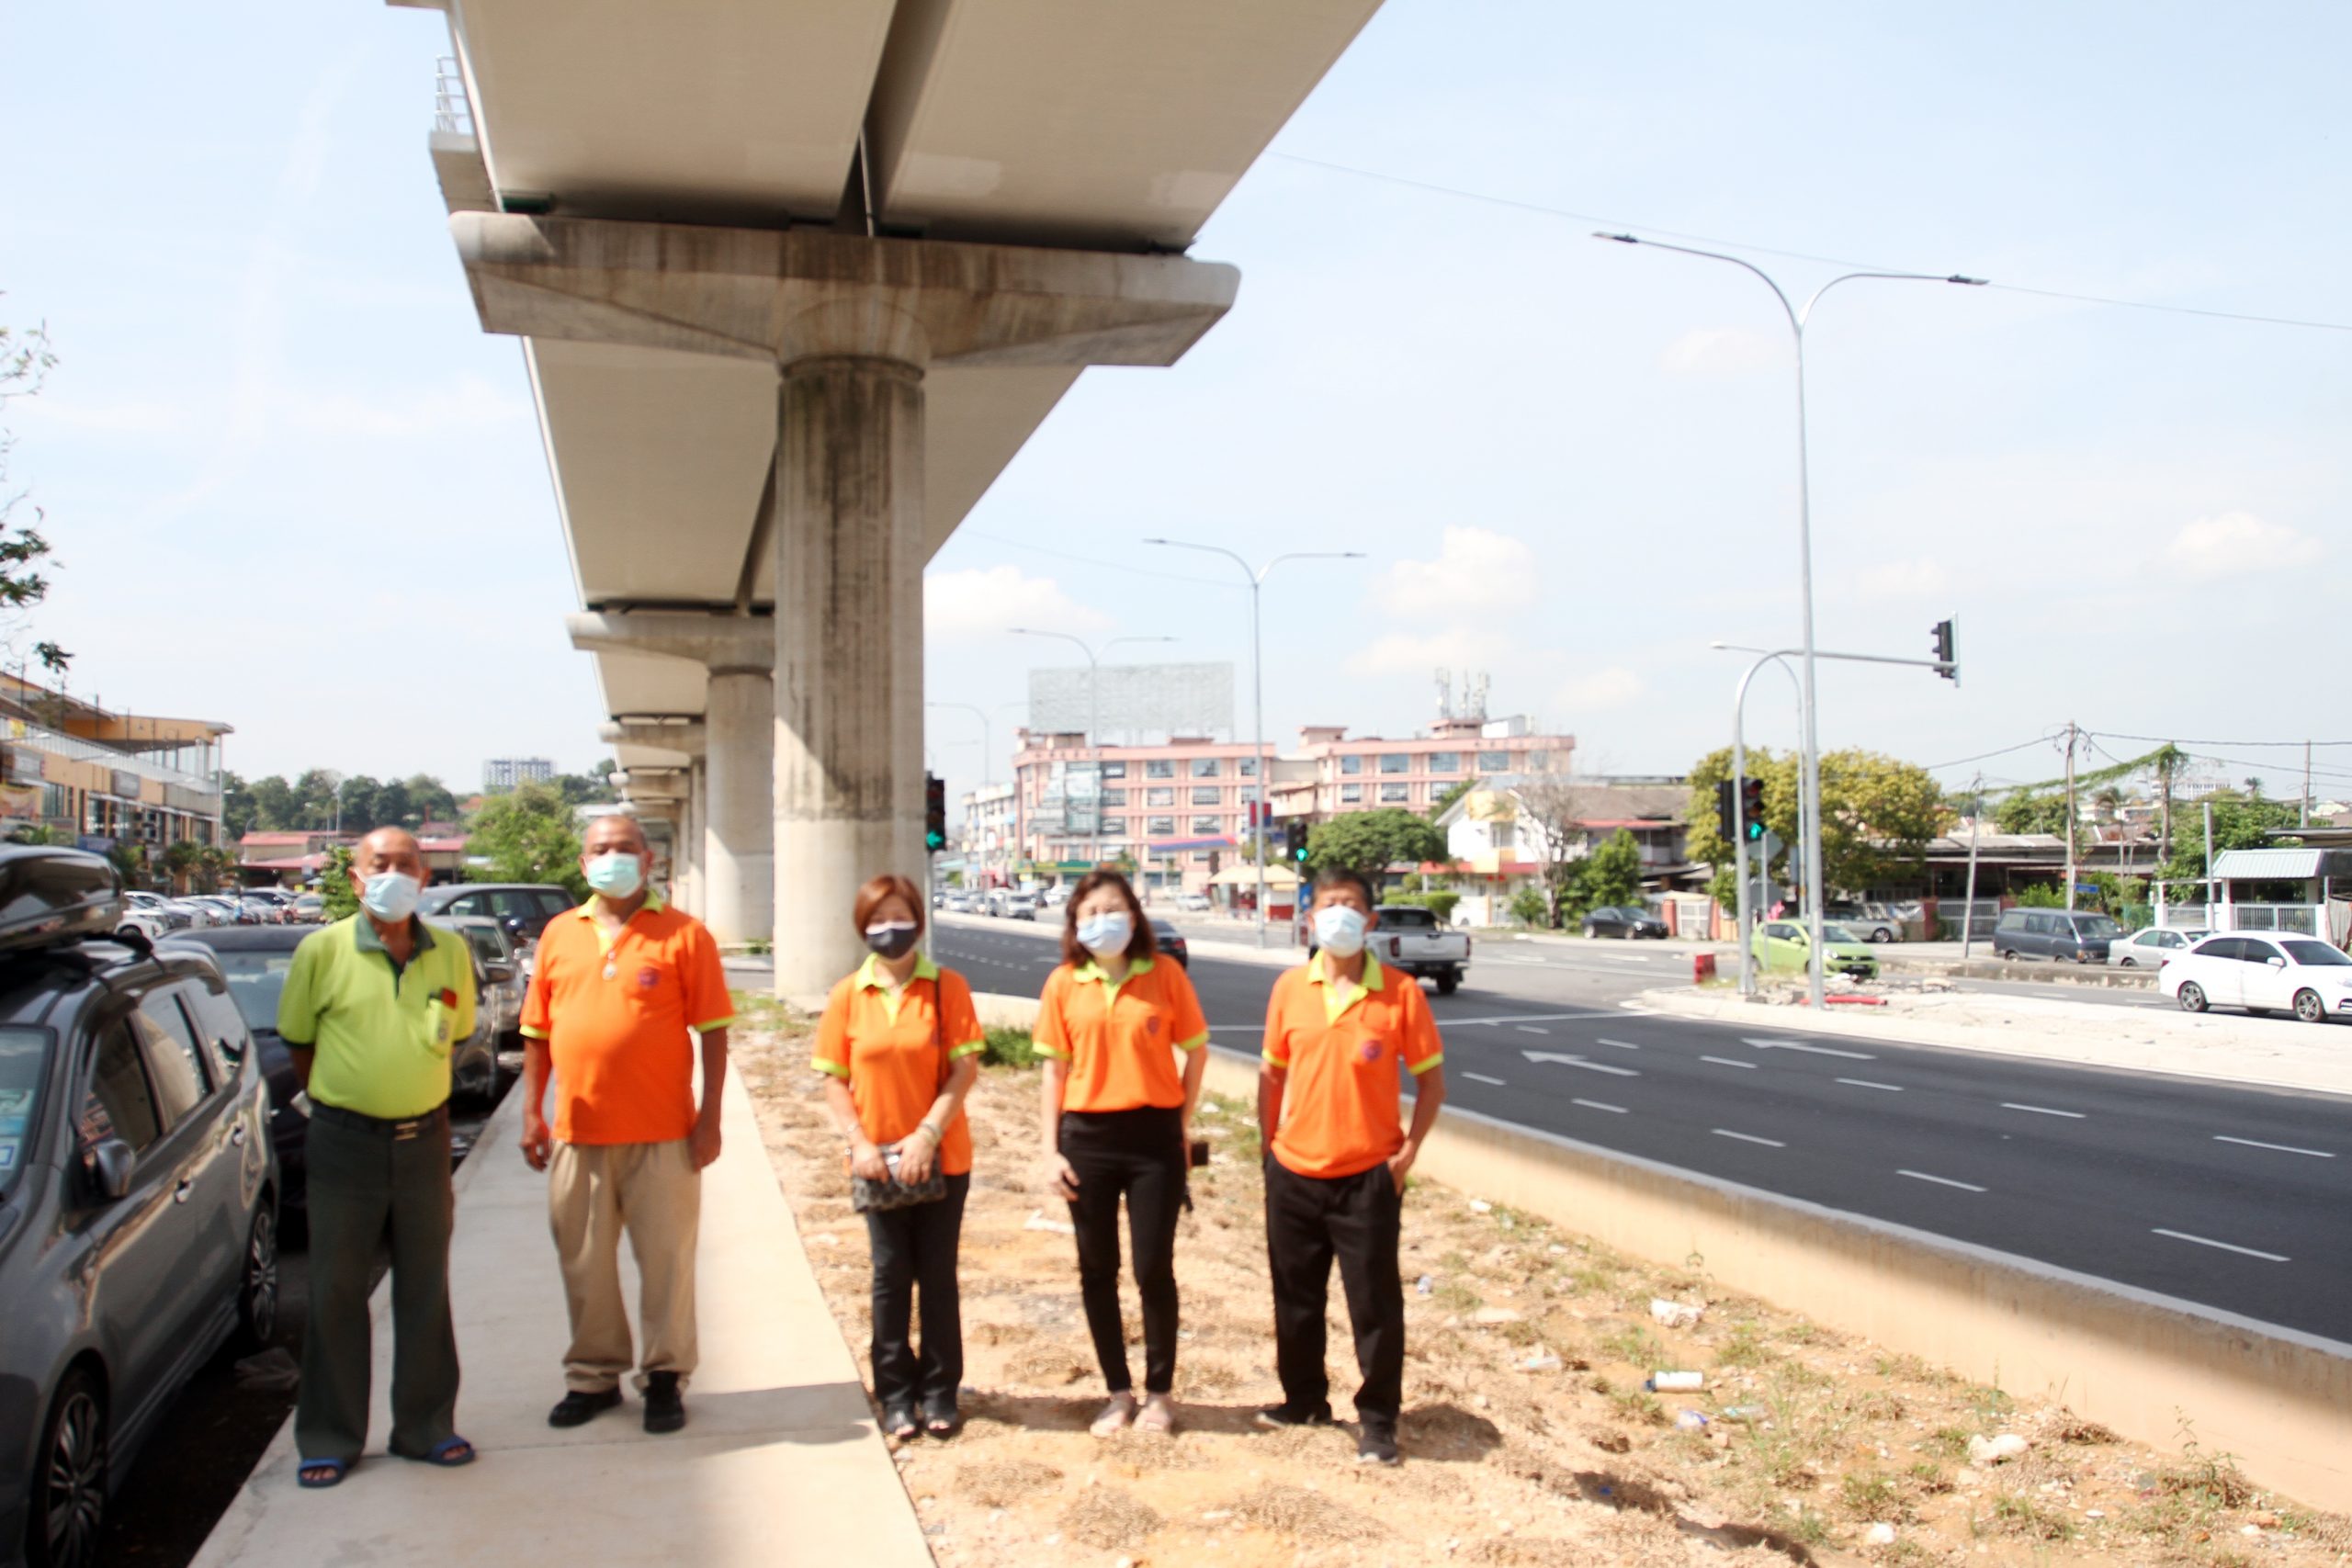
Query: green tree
[
  {"x": 355, "y": 803},
  {"x": 334, "y": 884},
  {"x": 25, "y": 362},
  {"x": 592, "y": 788},
  {"x": 2031, "y": 811},
  {"x": 429, "y": 798},
  {"x": 275, "y": 807},
  {"x": 1369, "y": 843},
  {"x": 2240, "y": 822},
  {"x": 1612, "y": 874},
  {"x": 1529, "y": 907},
  {"x": 1449, "y": 794},
  {"x": 315, "y": 800},
  {"x": 1878, "y": 814},
  {"x": 526, "y": 835}
]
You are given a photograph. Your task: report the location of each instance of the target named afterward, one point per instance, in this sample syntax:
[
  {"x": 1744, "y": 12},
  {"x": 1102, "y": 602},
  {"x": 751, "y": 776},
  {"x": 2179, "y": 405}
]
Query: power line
[
  {"x": 1984, "y": 756},
  {"x": 1606, "y": 222},
  {"x": 2162, "y": 740}
]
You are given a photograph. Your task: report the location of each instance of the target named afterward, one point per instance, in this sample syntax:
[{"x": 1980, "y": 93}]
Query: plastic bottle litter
[
  {"x": 1425, "y": 1284},
  {"x": 1674, "y": 1383},
  {"x": 1690, "y": 1421},
  {"x": 1745, "y": 1414},
  {"x": 1541, "y": 1362}
]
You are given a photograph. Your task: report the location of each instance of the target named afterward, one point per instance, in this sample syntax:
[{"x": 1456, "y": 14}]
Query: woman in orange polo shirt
[
  {"x": 1113, "y": 1025},
  {"x": 898, "y": 1047}
]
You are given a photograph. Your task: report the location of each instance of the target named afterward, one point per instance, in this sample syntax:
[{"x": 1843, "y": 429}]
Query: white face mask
[
  {"x": 1338, "y": 931},
  {"x": 1105, "y": 935},
  {"x": 390, "y": 895}
]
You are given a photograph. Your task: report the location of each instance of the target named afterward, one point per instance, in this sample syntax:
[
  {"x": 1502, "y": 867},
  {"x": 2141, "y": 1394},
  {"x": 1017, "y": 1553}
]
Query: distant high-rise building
[{"x": 500, "y": 774}]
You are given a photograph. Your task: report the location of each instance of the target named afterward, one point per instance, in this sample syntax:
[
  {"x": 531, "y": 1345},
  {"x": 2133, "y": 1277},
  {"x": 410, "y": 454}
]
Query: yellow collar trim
[
  {"x": 1372, "y": 978},
  {"x": 869, "y": 974}
]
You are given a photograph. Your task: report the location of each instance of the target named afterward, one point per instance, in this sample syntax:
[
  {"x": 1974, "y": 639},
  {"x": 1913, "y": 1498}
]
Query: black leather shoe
[
  {"x": 1283, "y": 1415},
  {"x": 664, "y": 1411},
  {"x": 577, "y": 1409}
]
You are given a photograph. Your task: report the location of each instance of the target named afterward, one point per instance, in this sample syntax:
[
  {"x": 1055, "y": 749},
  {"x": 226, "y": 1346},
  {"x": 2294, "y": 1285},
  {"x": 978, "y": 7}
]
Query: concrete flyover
[{"x": 794, "y": 284}]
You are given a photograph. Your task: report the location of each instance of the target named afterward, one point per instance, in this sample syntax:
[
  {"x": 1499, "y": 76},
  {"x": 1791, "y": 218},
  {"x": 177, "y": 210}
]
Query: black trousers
[
  {"x": 1309, "y": 1221},
  {"x": 914, "y": 1251},
  {"x": 1139, "y": 1153}
]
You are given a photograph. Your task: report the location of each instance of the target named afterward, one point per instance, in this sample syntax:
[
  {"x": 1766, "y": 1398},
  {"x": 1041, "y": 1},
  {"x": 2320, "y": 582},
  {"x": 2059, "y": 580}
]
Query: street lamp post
[
  {"x": 1811, "y": 768},
  {"x": 1093, "y": 710},
  {"x": 1257, "y": 576}
]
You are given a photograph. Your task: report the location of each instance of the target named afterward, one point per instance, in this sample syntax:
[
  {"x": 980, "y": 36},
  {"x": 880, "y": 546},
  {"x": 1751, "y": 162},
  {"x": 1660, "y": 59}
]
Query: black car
[
  {"x": 138, "y": 1194},
  {"x": 1172, "y": 942},
  {"x": 1624, "y": 923},
  {"x": 523, "y": 907}
]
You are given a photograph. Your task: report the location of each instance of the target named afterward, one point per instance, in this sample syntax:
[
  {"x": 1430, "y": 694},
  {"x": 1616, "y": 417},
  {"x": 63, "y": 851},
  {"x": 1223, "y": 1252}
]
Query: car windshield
[
  {"x": 2318, "y": 955},
  {"x": 255, "y": 980},
  {"x": 486, "y": 944},
  {"x": 2100, "y": 925},
  {"x": 23, "y": 1067}
]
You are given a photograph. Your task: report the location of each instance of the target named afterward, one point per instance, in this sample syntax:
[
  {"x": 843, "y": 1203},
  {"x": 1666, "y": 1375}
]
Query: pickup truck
[{"x": 1408, "y": 937}]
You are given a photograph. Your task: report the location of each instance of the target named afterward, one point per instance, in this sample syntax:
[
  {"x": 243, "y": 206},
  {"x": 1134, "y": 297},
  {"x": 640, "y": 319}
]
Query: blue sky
[{"x": 295, "y": 488}]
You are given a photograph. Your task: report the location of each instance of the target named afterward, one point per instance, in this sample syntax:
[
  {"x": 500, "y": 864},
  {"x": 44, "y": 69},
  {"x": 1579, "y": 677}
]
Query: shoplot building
[
  {"x": 1181, "y": 809},
  {"x": 99, "y": 779}
]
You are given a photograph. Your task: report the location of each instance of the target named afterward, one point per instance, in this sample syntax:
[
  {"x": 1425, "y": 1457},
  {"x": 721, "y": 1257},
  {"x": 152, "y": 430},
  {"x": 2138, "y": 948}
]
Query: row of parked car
[{"x": 151, "y": 1160}]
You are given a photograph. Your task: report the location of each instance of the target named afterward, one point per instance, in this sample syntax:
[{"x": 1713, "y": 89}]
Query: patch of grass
[
  {"x": 1873, "y": 1495},
  {"x": 1989, "y": 1403},
  {"x": 1910, "y": 1367},
  {"x": 1636, "y": 1344},
  {"x": 1637, "y": 1404},
  {"x": 1929, "y": 1475},
  {"x": 1801, "y": 1333},
  {"x": 1009, "y": 1047},
  {"x": 1952, "y": 1443},
  {"x": 2207, "y": 1481},
  {"x": 1745, "y": 1346},
  {"x": 1590, "y": 1279},
  {"x": 2019, "y": 1515},
  {"x": 1455, "y": 1296},
  {"x": 1876, "y": 1404},
  {"x": 1810, "y": 1527}
]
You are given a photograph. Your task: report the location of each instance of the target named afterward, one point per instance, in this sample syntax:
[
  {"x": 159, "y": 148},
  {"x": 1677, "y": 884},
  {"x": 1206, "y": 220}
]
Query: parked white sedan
[
  {"x": 2262, "y": 974},
  {"x": 2148, "y": 949}
]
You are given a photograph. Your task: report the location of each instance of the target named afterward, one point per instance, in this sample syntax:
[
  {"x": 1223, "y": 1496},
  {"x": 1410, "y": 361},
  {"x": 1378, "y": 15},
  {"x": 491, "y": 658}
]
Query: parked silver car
[
  {"x": 500, "y": 966},
  {"x": 2148, "y": 948}
]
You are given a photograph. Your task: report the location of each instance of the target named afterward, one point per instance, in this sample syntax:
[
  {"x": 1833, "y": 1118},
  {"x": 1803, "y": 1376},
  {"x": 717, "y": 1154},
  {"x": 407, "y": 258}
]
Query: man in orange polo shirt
[
  {"x": 620, "y": 985},
  {"x": 1340, "y": 1032}
]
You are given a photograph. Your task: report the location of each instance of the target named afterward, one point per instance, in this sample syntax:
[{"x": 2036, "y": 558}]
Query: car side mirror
[
  {"x": 500, "y": 972},
  {"x": 111, "y": 1160},
  {"x": 2276, "y": 962}
]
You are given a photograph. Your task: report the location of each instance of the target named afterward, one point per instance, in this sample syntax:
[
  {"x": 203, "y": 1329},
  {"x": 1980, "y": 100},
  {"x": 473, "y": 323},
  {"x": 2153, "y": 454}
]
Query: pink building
[{"x": 1364, "y": 774}]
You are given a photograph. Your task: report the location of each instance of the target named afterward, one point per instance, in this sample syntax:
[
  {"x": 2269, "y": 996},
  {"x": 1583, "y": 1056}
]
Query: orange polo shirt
[
  {"x": 1339, "y": 1103},
  {"x": 617, "y": 1012},
  {"x": 894, "y": 1053},
  {"x": 1120, "y": 1040}
]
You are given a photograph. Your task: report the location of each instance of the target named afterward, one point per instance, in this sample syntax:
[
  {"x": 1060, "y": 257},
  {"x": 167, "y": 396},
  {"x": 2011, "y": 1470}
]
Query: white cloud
[
  {"x": 1609, "y": 688},
  {"x": 2237, "y": 543},
  {"x": 1477, "y": 572},
  {"x": 986, "y": 601},
  {"x": 1902, "y": 579},
  {"x": 1460, "y": 650},
  {"x": 1721, "y": 352}
]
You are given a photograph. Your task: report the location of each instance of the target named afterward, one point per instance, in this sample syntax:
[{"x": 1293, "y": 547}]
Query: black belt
[{"x": 398, "y": 1132}]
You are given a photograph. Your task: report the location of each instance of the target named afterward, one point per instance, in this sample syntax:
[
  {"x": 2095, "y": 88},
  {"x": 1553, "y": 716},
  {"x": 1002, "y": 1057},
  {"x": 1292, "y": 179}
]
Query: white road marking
[
  {"x": 1620, "y": 1044},
  {"x": 1530, "y": 1028},
  {"x": 1567, "y": 1061},
  {"x": 2282, "y": 1149},
  {"x": 2041, "y": 1110},
  {"x": 1729, "y": 1061},
  {"x": 1481, "y": 1077},
  {"x": 1942, "y": 1180},
  {"x": 1747, "y": 1137},
  {"x": 1811, "y": 1050},
  {"x": 1601, "y": 1105},
  {"x": 1865, "y": 1083},
  {"x": 2225, "y": 1246}
]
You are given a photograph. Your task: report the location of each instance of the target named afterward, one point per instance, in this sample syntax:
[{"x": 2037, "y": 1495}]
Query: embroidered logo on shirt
[
  {"x": 1368, "y": 1051},
  {"x": 648, "y": 977},
  {"x": 1151, "y": 1024}
]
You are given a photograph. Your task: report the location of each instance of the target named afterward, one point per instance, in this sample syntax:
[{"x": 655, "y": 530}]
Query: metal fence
[{"x": 451, "y": 110}]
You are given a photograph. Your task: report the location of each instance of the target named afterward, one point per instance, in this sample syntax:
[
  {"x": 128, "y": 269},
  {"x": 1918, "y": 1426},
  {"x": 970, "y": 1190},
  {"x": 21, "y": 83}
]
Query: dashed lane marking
[
  {"x": 1602, "y": 1105},
  {"x": 1530, "y": 1028},
  {"x": 2223, "y": 1245},
  {"x": 1747, "y": 1137},
  {"x": 1809, "y": 1050},
  {"x": 1567, "y": 1061},
  {"x": 1730, "y": 1062},
  {"x": 1481, "y": 1077},
  {"x": 2282, "y": 1149},
  {"x": 1866, "y": 1083},
  {"x": 2041, "y": 1110},
  {"x": 1620, "y": 1044},
  {"x": 1942, "y": 1180}
]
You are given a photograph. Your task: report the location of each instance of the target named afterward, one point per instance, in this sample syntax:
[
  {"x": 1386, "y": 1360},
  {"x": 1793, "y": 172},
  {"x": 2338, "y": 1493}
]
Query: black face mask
[{"x": 893, "y": 941}]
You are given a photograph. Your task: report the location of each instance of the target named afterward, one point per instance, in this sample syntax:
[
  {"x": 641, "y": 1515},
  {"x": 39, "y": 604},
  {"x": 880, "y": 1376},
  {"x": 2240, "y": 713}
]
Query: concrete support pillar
[
  {"x": 738, "y": 836},
  {"x": 695, "y": 888},
  {"x": 848, "y": 715}
]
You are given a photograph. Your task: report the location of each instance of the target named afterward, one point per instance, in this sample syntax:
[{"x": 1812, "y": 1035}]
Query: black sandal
[
  {"x": 942, "y": 1425},
  {"x": 902, "y": 1425}
]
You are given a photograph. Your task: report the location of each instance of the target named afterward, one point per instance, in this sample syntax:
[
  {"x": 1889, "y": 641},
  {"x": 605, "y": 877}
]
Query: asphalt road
[{"x": 2235, "y": 1198}]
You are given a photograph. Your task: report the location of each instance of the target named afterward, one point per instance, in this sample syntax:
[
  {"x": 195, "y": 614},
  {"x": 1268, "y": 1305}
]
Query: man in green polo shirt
[{"x": 372, "y": 1008}]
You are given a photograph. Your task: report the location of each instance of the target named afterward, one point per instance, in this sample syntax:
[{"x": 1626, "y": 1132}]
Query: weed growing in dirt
[
  {"x": 1009, "y": 1047},
  {"x": 1745, "y": 1346},
  {"x": 2017, "y": 1514},
  {"x": 1636, "y": 1344},
  {"x": 1873, "y": 1495}
]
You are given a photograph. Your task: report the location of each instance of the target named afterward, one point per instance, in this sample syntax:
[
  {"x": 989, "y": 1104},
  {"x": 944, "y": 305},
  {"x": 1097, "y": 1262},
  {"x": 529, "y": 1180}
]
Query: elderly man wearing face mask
[
  {"x": 371, "y": 1007},
  {"x": 620, "y": 989}
]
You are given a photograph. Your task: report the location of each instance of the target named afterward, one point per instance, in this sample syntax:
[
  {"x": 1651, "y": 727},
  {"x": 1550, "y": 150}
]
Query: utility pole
[
  {"x": 2209, "y": 899},
  {"x": 1976, "y": 831},
  {"x": 2304, "y": 818},
  {"x": 2069, "y": 814}
]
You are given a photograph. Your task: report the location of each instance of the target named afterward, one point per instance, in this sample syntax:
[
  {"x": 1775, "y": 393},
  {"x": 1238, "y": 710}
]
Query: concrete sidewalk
[{"x": 781, "y": 1460}]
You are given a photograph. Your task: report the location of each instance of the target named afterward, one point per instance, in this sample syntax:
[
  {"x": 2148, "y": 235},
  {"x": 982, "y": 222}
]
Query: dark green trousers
[{"x": 367, "y": 1187}]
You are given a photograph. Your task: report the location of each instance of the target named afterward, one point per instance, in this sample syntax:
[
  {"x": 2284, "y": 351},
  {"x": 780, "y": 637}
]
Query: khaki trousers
[{"x": 653, "y": 1191}]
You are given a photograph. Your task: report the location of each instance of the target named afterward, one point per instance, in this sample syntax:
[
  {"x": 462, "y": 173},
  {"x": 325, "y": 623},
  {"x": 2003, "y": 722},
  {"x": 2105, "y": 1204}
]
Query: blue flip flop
[
  {"x": 445, "y": 1455},
  {"x": 337, "y": 1469}
]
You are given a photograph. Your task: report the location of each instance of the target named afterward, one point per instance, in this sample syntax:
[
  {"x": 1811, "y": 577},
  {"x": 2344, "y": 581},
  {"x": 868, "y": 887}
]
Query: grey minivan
[
  {"x": 138, "y": 1194},
  {"x": 2069, "y": 934}
]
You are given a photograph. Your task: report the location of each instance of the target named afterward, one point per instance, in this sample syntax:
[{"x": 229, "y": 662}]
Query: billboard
[{"x": 1139, "y": 704}]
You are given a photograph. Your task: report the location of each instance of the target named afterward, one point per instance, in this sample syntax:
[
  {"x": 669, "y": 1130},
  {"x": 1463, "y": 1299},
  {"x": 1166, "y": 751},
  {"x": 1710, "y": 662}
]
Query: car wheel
[
  {"x": 2309, "y": 1007},
  {"x": 2006, "y": 956},
  {"x": 2191, "y": 997},
  {"x": 1449, "y": 984},
  {"x": 2129, "y": 963},
  {"x": 257, "y": 1292},
  {"x": 70, "y": 1491}
]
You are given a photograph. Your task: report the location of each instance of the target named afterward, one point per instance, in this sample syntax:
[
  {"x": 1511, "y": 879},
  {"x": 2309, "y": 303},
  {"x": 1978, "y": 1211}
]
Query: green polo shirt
[{"x": 382, "y": 1036}]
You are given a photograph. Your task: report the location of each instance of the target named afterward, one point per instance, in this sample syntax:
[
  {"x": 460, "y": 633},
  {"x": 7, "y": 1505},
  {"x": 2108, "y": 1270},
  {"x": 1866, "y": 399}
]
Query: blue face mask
[
  {"x": 1338, "y": 931},
  {"x": 615, "y": 874},
  {"x": 1104, "y": 935},
  {"x": 389, "y": 896}
]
